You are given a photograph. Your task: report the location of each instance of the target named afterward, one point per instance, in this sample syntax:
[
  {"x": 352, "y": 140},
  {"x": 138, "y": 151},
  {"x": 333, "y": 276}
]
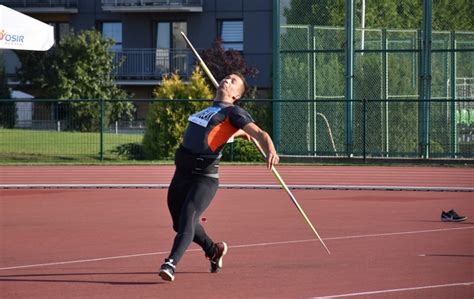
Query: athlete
[{"x": 196, "y": 177}]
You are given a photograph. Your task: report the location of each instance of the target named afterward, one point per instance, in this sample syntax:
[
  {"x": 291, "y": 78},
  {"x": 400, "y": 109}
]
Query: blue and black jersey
[
  {"x": 209, "y": 129},
  {"x": 207, "y": 132}
]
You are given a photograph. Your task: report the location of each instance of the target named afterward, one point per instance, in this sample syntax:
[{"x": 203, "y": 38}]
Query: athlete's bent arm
[
  {"x": 241, "y": 134},
  {"x": 265, "y": 142}
]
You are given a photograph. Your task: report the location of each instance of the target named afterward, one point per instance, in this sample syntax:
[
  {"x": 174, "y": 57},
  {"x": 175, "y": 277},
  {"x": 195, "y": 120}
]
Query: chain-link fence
[
  {"x": 387, "y": 128},
  {"x": 87, "y": 130},
  {"x": 52, "y": 131},
  {"x": 375, "y": 103}
]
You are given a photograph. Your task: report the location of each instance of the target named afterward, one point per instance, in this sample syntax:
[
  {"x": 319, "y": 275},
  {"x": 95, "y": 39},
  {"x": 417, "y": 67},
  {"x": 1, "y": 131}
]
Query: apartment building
[{"x": 147, "y": 34}]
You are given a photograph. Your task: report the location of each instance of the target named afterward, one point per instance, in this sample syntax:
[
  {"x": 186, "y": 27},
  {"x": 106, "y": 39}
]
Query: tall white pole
[{"x": 362, "y": 25}]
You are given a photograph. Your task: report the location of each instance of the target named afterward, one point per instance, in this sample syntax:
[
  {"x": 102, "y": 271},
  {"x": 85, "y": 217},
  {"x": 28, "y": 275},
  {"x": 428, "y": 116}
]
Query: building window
[
  {"x": 232, "y": 34},
  {"x": 61, "y": 30},
  {"x": 113, "y": 30},
  {"x": 163, "y": 39},
  {"x": 178, "y": 40},
  {"x": 168, "y": 35},
  {"x": 169, "y": 54}
]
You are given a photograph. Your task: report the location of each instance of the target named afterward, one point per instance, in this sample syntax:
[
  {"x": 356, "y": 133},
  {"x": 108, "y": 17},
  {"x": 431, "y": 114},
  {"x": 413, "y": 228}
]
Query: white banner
[{"x": 21, "y": 32}]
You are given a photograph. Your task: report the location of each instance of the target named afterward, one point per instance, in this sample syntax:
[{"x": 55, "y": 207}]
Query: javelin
[{"x": 275, "y": 172}]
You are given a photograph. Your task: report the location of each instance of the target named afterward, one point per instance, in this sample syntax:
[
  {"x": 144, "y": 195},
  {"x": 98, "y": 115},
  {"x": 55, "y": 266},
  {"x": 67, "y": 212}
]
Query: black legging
[{"x": 188, "y": 196}]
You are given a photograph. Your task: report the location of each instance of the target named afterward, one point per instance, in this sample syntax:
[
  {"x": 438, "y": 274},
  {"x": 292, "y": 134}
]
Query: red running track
[
  {"x": 298, "y": 175},
  {"x": 109, "y": 243}
]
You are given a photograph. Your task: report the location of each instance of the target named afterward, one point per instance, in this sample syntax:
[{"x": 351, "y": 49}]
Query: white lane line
[
  {"x": 85, "y": 261},
  {"x": 401, "y": 233},
  {"x": 400, "y": 290},
  {"x": 353, "y": 237},
  {"x": 235, "y": 246},
  {"x": 244, "y": 186}
]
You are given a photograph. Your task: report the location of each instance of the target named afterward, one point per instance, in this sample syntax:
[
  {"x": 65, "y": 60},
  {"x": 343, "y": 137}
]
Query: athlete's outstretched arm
[
  {"x": 242, "y": 134},
  {"x": 265, "y": 142}
]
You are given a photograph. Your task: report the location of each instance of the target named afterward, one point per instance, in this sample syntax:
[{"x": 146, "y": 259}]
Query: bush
[
  {"x": 241, "y": 151},
  {"x": 130, "y": 151},
  {"x": 167, "y": 120}
]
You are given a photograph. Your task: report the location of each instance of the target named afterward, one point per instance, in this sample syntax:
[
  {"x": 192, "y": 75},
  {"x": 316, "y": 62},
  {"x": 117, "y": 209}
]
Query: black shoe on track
[
  {"x": 220, "y": 249},
  {"x": 167, "y": 270},
  {"x": 452, "y": 216}
]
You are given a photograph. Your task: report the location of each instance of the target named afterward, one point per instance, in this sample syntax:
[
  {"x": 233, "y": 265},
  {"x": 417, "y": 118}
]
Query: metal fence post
[
  {"x": 101, "y": 130},
  {"x": 364, "y": 128},
  {"x": 385, "y": 88},
  {"x": 425, "y": 94},
  {"x": 349, "y": 69},
  {"x": 312, "y": 87},
  {"x": 276, "y": 73},
  {"x": 454, "y": 139}
]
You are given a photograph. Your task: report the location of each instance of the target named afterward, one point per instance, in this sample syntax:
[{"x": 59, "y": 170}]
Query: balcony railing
[
  {"x": 152, "y": 64},
  {"x": 152, "y": 5},
  {"x": 42, "y": 6}
]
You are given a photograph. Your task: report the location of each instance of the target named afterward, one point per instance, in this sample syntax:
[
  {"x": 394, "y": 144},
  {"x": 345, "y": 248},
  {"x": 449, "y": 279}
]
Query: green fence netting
[
  {"x": 388, "y": 114},
  {"x": 51, "y": 130}
]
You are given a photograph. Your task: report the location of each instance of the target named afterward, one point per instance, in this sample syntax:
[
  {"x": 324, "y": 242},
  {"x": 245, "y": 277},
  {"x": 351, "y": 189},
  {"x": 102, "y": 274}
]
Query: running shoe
[
  {"x": 452, "y": 216},
  {"x": 220, "y": 249},
  {"x": 167, "y": 270}
]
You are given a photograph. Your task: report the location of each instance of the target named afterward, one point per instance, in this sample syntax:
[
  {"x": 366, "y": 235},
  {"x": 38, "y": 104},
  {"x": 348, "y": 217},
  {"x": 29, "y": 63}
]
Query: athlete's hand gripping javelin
[{"x": 253, "y": 131}]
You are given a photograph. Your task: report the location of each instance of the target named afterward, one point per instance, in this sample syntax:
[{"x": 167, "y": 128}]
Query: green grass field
[{"x": 50, "y": 146}]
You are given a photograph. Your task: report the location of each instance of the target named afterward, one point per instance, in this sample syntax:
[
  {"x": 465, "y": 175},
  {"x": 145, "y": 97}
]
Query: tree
[
  {"x": 80, "y": 67},
  {"x": 4, "y": 90},
  {"x": 453, "y": 15},
  {"x": 322, "y": 13},
  {"x": 401, "y": 14},
  {"x": 7, "y": 108},
  {"x": 222, "y": 62},
  {"x": 167, "y": 119}
]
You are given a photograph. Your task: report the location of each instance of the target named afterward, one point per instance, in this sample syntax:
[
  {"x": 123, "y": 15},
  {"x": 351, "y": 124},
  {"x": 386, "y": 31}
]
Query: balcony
[
  {"x": 149, "y": 65},
  {"x": 43, "y": 6},
  {"x": 152, "y": 5}
]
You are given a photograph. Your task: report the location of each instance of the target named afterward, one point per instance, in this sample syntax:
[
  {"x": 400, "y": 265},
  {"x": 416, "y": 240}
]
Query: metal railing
[
  {"x": 383, "y": 129},
  {"x": 143, "y": 64},
  {"x": 152, "y": 3},
  {"x": 40, "y": 3}
]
